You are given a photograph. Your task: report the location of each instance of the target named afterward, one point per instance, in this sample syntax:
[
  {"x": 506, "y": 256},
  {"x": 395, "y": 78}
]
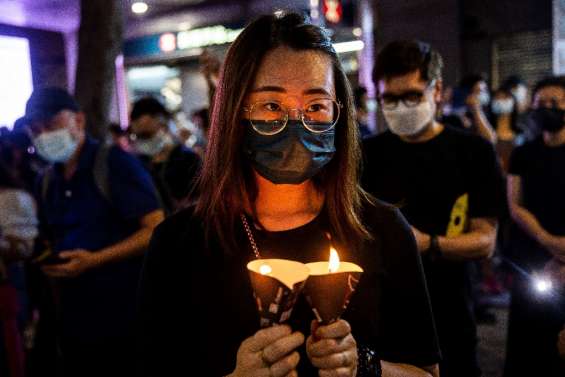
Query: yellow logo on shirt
[{"x": 458, "y": 220}]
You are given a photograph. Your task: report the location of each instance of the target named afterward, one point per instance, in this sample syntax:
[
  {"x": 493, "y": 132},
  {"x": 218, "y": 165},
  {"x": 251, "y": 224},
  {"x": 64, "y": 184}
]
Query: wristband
[{"x": 368, "y": 364}]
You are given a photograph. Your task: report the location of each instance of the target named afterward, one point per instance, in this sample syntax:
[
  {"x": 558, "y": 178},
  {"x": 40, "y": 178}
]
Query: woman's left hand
[{"x": 332, "y": 349}]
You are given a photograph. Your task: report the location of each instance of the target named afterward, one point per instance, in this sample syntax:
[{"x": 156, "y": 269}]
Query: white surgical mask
[
  {"x": 371, "y": 105},
  {"x": 520, "y": 93},
  {"x": 153, "y": 145},
  {"x": 56, "y": 146},
  {"x": 503, "y": 106},
  {"x": 484, "y": 98},
  {"x": 409, "y": 121}
]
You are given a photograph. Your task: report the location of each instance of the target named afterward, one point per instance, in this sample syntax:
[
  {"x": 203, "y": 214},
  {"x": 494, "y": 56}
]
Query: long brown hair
[{"x": 227, "y": 182}]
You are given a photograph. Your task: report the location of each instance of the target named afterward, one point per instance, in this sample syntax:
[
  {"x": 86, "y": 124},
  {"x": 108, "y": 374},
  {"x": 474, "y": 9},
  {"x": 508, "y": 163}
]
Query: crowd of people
[{"x": 128, "y": 256}]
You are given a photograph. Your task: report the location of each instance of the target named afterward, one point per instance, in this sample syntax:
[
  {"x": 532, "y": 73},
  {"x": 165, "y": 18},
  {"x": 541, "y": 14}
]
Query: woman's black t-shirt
[{"x": 197, "y": 305}]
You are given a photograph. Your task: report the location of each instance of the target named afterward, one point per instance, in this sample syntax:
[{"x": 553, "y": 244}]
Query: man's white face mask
[{"x": 409, "y": 121}]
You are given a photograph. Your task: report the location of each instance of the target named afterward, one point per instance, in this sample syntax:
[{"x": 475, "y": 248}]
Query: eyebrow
[
  {"x": 404, "y": 92},
  {"x": 278, "y": 89}
]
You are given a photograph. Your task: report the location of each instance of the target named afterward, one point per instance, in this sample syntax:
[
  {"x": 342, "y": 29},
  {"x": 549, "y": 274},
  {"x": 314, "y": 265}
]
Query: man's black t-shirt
[
  {"x": 534, "y": 318},
  {"x": 439, "y": 185},
  {"x": 542, "y": 172},
  {"x": 197, "y": 303}
]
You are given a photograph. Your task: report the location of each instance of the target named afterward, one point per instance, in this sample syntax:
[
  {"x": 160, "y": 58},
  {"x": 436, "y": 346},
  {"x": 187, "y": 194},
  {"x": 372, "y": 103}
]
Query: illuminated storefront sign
[
  {"x": 333, "y": 11},
  {"x": 169, "y": 43},
  {"x": 207, "y": 36}
]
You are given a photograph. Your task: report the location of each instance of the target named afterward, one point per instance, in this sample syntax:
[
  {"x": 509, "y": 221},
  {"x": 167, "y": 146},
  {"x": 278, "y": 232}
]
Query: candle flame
[
  {"x": 265, "y": 269},
  {"x": 334, "y": 260}
]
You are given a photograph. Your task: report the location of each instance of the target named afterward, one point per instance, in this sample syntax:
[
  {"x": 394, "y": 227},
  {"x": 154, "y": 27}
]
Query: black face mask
[
  {"x": 292, "y": 156},
  {"x": 549, "y": 119}
]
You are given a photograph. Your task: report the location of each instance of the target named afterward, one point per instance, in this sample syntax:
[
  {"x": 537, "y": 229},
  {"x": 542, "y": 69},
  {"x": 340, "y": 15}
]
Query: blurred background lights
[
  {"x": 542, "y": 285},
  {"x": 139, "y": 7}
]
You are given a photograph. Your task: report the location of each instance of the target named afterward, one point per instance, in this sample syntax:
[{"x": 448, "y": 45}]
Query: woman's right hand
[{"x": 271, "y": 352}]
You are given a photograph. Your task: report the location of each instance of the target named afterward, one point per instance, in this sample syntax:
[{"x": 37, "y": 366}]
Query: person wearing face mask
[
  {"x": 519, "y": 90},
  {"x": 521, "y": 119},
  {"x": 536, "y": 184},
  {"x": 504, "y": 116},
  {"x": 470, "y": 100},
  {"x": 446, "y": 182},
  {"x": 96, "y": 229},
  {"x": 173, "y": 166},
  {"x": 280, "y": 181},
  {"x": 362, "y": 110}
]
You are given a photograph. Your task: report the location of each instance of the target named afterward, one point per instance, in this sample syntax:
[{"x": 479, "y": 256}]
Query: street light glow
[{"x": 139, "y": 7}]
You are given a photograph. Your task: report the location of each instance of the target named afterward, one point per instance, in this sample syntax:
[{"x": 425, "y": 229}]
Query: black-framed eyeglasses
[
  {"x": 410, "y": 98},
  {"x": 271, "y": 117}
]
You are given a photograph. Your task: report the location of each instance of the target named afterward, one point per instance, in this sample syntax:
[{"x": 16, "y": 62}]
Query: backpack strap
[
  {"x": 45, "y": 181},
  {"x": 100, "y": 171}
]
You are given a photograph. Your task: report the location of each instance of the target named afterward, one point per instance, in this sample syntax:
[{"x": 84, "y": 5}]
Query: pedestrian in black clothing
[
  {"x": 446, "y": 182},
  {"x": 283, "y": 158}
]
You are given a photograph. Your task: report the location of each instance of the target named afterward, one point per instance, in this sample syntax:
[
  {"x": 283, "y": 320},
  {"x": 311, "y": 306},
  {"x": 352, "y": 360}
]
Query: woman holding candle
[{"x": 280, "y": 180}]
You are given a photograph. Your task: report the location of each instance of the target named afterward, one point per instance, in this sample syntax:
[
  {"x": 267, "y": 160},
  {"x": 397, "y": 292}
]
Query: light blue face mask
[
  {"x": 292, "y": 156},
  {"x": 502, "y": 106},
  {"x": 484, "y": 98},
  {"x": 56, "y": 146}
]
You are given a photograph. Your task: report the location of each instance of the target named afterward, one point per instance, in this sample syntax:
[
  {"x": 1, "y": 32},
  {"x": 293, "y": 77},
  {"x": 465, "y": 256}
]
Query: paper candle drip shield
[
  {"x": 328, "y": 290},
  {"x": 276, "y": 283}
]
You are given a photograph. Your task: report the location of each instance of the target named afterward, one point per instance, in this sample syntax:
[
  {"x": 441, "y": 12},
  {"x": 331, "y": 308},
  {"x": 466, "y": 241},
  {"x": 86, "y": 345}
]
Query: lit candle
[
  {"x": 330, "y": 287},
  {"x": 333, "y": 264},
  {"x": 276, "y": 285},
  {"x": 265, "y": 269}
]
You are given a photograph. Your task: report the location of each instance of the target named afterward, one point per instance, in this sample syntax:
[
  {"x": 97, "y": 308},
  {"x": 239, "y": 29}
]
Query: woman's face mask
[
  {"x": 293, "y": 86},
  {"x": 291, "y": 156}
]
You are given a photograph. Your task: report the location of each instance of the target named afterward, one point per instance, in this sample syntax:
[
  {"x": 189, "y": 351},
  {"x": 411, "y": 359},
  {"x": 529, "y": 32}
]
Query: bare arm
[
  {"x": 478, "y": 243},
  {"x": 524, "y": 218},
  {"x": 136, "y": 243},
  {"x": 78, "y": 261},
  {"x": 405, "y": 370},
  {"x": 484, "y": 128},
  {"x": 529, "y": 223}
]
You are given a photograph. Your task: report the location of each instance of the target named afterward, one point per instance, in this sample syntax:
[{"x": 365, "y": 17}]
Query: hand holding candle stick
[{"x": 331, "y": 347}]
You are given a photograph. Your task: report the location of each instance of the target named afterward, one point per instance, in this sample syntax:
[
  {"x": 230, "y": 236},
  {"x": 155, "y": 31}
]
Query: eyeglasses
[
  {"x": 409, "y": 99},
  {"x": 271, "y": 117}
]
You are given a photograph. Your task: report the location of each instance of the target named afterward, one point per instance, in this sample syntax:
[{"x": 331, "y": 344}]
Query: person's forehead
[
  {"x": 61, "y": 115},
  {"x": 396, "y": 85},
  {"x": 502, "y": 94},
  {"x": 549, "y": 92},
  {"x": 481, "y": 85},
  {"x": 295, "y": 70}
]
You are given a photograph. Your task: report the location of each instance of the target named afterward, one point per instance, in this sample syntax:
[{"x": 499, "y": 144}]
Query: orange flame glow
[{"x": 334, "y": 260}]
